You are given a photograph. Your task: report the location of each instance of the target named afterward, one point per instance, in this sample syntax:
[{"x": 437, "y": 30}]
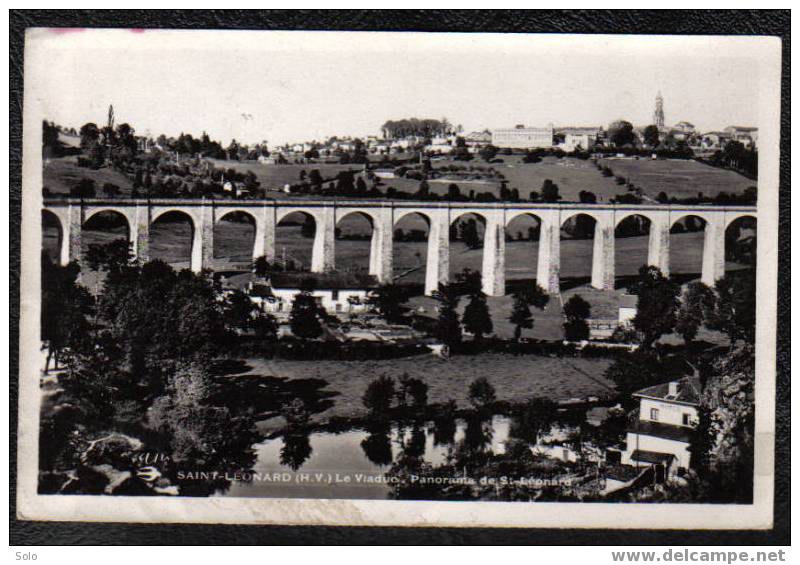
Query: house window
[
  {"x": 654, "y": 414},
  {"x": 334, "y": 295},
  {"x": 687, "y": 419},
  {"x": 338, "y": 307}
]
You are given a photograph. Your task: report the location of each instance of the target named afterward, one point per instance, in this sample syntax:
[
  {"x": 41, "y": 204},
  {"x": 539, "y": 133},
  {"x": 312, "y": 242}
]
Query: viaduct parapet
[{"x": 72, "y": 214}]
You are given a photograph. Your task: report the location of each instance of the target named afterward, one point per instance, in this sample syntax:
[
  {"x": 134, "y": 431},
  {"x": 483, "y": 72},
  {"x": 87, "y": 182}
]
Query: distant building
[
  {"x": 667, "y": 416},
  {"x": 658, "y": 113},
  {"x": 685, "y": 127},
  {"x": 747, "y": 136},
  {"x": 573, "y": 141},
  {"x": 478, "y": 139},
  {"x": 336, "y": 293},
  {"x": 714, "y": 139},
  {"x": 521, "y": 137}
]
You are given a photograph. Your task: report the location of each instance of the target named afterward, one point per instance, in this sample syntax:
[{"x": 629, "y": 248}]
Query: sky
[{"x": 302, "y": 86}]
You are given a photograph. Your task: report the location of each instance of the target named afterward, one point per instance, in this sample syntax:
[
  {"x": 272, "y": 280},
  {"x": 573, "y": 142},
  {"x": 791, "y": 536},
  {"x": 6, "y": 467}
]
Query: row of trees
[{"x": 425, "y": 128}]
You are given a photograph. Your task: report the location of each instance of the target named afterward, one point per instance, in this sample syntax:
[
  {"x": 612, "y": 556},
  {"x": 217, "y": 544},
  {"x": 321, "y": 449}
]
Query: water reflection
[
  {"x": 377, "y": 446},
  {"x": 296, "y": 450},
  {"x": 319, "y": 464}
]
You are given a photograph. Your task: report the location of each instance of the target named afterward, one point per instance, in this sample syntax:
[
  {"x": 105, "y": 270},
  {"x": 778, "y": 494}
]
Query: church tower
[{"x": 658, "y": 115}]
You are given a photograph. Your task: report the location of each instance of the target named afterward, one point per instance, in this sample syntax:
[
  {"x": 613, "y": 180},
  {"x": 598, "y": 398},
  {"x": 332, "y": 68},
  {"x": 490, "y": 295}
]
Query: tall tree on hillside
[
  {"x": 477, "y": 319},
  {"x": 734, "y": 310},
  {"x": 66, "y": 306},
  {"x": 448, "y": 326},
  {"x": 656, "y": 305},
  {"x": 90, "y": 136},
  {"x": 696, "y": 300},
  {"x": 521, "y": 315}
]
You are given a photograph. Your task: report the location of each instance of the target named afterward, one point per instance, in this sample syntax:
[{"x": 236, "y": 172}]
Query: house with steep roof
[{"x": 662, "y": 433}]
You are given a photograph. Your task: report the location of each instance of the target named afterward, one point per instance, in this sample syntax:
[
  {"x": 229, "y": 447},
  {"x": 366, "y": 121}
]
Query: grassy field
[
  {"x": 63, "y": 174},
  {"x": 514, "y": 378},
  {"x": 675, "y": 177},
  {"x": 679, "y": 178}
]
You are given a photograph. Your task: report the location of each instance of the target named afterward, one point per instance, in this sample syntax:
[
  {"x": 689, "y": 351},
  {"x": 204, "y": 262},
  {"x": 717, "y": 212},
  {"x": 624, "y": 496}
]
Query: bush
[
  {"x": 412, "y": 389},
  {"x": 378, "y": 396},
  {"x": 481, "y": 393},
  {"x": 296, "y": 413},
  {"x": 576, "y": 330}
]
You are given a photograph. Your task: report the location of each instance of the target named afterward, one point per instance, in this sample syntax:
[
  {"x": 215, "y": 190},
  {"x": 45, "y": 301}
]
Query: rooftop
[
  {"x": 689, "y": 391},
  {"x": 658, "y": 429},
  {"x": 653, "y": 457}
]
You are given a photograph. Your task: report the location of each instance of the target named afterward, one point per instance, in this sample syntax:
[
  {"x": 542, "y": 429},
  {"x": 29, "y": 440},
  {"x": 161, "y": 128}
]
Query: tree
[
  {"x": 635, "y": 371},
  {"x": 469, "y": 234},
  {"x": 734, "y": 310},
  {"x": 84, "y": 189},
  {"x": 308, "y": 228},
  {"x": 90, "y": 136},
  {"x": 197, "y": 430},
  {"x": 460, "y": 151},
  {"x": 239, "y": 311},
  {"x": 66, "y": 306},
  {"x": 265, "y": 325},
  {"x": 481, "y": 393},
  {"x": 621, "y": 133},
  {"x": 413, "y": 390},
  {"x": 477, "y": 319},
  {"x": 387, "y": 299},
  {"x": 521, "y": 310},
  {"x": 488, "y": 152},
  {"x": 379, "y": 395},
  {"x": 108, "y": 257},
  {"x": 651, "y": 136},
  {"x": 656, "y": 305},
  {"x": 697, "y": 299},
  {"x": 550, "y": 191},
  {"x": 305, "y": 316},
  {"x": 453, "y": 191},
  {"x": 177, "y": 317},
  {"x": 261, "y": 267},
  {"x": 315, "y": 179},
  {"x": 448, "y": 327},
  {"x": 576, "y": 311},
  {"x": 111, "y": 190}
]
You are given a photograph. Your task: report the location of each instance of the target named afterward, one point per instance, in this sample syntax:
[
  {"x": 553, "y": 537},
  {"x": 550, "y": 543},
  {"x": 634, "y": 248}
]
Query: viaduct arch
[{"x": 72, "y": 213}]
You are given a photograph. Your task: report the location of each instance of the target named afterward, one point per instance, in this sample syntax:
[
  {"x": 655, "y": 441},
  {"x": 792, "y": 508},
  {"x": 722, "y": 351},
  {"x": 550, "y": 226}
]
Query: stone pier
[
  {"x": 494, "y": 254},
  {"x": 713, "y": 253},
  {"x": 437, "y": 269},
  {"x": 603, "y": 251},
  {"x": 323, "y": 253}
]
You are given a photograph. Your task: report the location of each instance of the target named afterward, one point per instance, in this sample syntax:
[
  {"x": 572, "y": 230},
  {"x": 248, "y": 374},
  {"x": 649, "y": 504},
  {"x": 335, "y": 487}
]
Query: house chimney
[{"x": 673, "y": 389}]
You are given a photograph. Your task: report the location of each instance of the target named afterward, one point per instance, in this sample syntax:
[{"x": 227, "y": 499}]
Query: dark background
[{"x": 690, "y": 22}]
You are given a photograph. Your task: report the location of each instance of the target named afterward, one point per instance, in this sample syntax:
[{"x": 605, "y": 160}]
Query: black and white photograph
[{"x": 354, "y": 277}]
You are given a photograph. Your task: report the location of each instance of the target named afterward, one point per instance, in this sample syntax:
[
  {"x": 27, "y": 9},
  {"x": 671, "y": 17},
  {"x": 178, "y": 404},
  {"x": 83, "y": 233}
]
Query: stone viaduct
[{"x": 72, "y": 213}]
